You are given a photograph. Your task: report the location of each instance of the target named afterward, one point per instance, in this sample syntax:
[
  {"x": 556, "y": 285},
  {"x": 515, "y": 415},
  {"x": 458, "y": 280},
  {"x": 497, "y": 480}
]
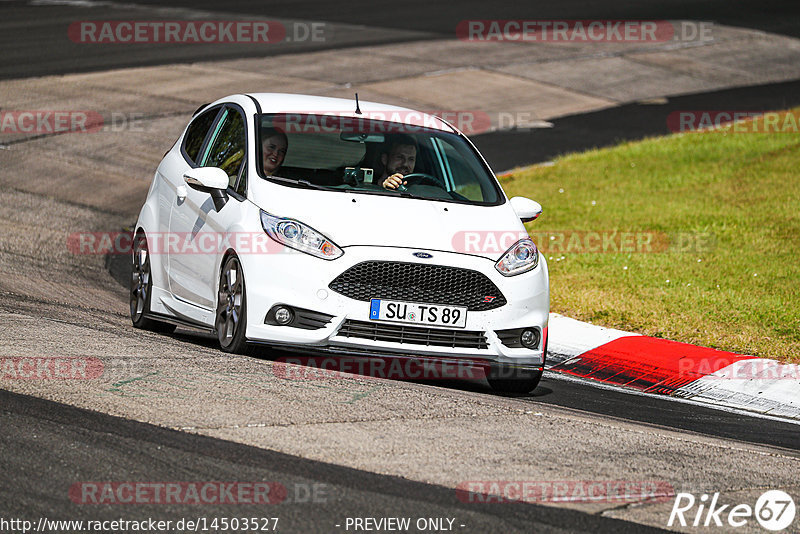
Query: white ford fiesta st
[{"x": 332, "y": 226}]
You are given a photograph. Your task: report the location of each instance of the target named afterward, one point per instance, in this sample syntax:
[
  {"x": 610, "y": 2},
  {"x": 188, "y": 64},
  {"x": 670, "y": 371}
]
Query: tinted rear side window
[{"x": 197, "y": 133}]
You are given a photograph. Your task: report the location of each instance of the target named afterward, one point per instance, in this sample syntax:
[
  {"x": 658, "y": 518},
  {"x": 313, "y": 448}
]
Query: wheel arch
[
  {"x": 241, "y": 346},
  {"x": 158, "y": 270},
  {"x": 223, "y": 258}
]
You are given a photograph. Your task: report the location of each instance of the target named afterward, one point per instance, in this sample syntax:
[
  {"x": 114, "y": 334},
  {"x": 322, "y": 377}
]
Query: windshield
[{"x": 357, "y": 155}]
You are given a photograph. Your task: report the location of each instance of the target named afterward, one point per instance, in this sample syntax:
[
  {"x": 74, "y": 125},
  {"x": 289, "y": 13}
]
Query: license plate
[{"x": 416, "y": 313}]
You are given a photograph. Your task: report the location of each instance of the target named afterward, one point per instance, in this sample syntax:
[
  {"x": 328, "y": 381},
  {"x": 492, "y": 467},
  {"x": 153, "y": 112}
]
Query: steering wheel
[{"x": 421, "y": 178}]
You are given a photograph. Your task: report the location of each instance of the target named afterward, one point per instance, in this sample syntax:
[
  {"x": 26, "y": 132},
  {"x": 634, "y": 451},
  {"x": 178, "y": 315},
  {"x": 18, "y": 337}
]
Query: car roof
[{"x": 294, "y": 103}]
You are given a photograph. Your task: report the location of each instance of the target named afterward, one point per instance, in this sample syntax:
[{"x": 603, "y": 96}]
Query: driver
[{"x": 399, "y": 159}]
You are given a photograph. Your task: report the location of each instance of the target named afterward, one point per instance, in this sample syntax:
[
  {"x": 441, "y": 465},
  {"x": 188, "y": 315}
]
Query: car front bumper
[{"x": 302, "y": 281}]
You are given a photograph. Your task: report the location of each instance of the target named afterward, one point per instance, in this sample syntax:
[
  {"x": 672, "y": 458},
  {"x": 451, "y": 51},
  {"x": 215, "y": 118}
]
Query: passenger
[{"x": 273, "y": 149}]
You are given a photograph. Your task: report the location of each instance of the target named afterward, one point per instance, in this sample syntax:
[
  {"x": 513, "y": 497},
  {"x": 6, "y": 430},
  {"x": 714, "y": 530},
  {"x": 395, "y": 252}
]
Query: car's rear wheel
[
  {"x": 231, "y": 320},
  {"x": 142, "y": 288},
  {"x": 508, "y": 379}
]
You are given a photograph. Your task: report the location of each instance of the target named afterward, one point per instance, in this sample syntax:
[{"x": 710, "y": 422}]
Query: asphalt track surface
[
  {"x": 584, "y": 396},
  {"x": 34, "y": 45},
  {"x": 68, "y": 444},
  {"x": 78, "y": 445},
  {"x": 580, "y": 396},
  {"x": 777, "y": 16},
  {"x": 629, "y": 122}
]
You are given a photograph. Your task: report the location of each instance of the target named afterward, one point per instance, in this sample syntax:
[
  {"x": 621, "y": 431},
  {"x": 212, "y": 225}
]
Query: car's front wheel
[
  {"x": 142, "y": 288},
  {"x": 231, "y": 320},
  {"x": 507, "y": 379}
]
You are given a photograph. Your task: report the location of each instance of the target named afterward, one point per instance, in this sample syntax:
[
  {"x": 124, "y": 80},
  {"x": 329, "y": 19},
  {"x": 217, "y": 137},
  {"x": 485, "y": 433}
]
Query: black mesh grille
[
  {"x": 415, "y": 282},
  {"x": 415, "y": 335}
]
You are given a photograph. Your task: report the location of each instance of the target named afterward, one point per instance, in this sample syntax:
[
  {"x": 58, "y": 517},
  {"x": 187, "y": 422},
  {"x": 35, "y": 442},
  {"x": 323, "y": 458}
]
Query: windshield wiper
[
  {"x": 294, "y": 181},
  {"x": 406, "y": 194},
  {"x": 382, "y": 192}
]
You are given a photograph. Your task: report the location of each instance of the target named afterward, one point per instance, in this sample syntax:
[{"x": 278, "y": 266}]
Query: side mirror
[
  {"x": 526, "y": 209},
  {"x": 212, "y": 180},
  {"x": 206, "y": 178}
]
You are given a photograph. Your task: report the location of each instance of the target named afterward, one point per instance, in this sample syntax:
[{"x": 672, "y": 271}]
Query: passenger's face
[
  {"x": 401, "y": 158},
  {"x": 273, "y": 150}
]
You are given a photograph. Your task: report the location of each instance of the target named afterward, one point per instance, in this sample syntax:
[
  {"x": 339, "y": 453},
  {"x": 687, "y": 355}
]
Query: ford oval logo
[{"x": 423, "y": 255}]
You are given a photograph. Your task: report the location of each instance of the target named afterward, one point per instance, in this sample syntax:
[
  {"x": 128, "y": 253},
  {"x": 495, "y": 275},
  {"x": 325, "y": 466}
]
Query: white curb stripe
[
  {"x": 568, "y": 338},
  {"x": 759, "y": 385}
]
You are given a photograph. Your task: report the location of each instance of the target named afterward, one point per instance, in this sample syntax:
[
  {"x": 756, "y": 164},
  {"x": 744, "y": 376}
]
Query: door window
[{"x": 226, "y": 147}]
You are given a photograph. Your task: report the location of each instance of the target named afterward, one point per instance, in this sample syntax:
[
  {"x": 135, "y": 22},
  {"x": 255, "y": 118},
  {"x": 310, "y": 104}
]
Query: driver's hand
[{"x": 394, "y": 181}]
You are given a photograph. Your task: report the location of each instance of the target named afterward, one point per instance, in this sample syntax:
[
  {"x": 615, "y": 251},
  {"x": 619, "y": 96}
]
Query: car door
[
  {"x": 198, "y": 228},
  {"x": 169, "y": 180}
]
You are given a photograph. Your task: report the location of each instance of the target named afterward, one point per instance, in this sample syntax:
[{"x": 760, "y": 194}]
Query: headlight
[
  {"x": 520, "y": 258},
  {"x": 299, "y": 236}
]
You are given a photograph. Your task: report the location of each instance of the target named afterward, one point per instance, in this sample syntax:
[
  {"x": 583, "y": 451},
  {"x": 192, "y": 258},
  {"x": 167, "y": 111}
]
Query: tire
[
  {"x": 141, "y": 288},
  {"x": 231, "y": 316},
  {"x": 507, "y": 379}
]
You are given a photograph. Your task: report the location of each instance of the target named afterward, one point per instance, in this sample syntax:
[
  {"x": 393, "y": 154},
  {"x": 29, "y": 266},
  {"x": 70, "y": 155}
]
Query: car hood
[{"x": 353, "y": 219}]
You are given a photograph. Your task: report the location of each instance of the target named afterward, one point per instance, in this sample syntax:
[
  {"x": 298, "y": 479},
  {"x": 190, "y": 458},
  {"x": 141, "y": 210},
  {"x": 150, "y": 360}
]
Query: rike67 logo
[{"x": 774, "y": 510}]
